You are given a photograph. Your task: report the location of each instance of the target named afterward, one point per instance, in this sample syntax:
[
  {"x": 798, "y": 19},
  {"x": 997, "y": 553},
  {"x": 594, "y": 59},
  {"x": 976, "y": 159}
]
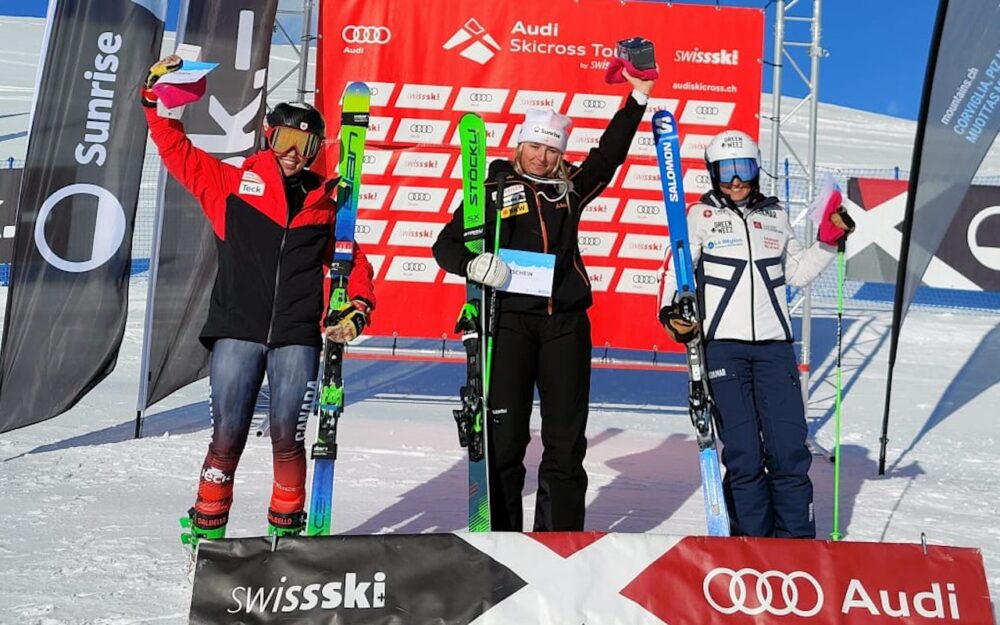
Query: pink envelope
[{"x": 172, "y": 95}]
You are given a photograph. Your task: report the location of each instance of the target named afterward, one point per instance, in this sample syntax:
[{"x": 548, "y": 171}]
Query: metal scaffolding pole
[
  {"x": 787, "y": 51},
  {"x": 301, "y": 50}
]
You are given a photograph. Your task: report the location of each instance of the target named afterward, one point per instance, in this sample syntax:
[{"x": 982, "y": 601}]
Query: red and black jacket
[{"x": 270, "y": 287}]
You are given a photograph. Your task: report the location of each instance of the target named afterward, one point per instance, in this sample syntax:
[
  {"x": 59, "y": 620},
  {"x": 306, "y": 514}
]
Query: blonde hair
[{"x": 560, "y": 171}]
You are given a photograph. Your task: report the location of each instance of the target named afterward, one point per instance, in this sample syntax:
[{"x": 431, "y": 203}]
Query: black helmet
[{"x": 297, "y": 115}]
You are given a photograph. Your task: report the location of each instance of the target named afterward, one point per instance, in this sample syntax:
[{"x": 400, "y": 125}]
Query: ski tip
[{"x": 664, "y": 123}]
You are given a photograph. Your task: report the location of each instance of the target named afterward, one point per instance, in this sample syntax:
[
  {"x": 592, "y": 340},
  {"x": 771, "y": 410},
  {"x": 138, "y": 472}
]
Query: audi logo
[
  {"x": 418, "y": 196},
  {"x": 595, "y": 104},
  {"x": 421, "y": 129},
  {"x": 703, "y": 179},
  {"x": 644, "y": 140},
  {"x": 366, "y": 34},
  {"x": 362, "y": 229},
  {"x": 647, "y": 209},
  {"x": 639, "y": 278},
  {"x": 373, "y": 90},
  {"x": 368, "y": 159},
  {"x": 706, "y": 110},
  {"x": 762, "y": 598},
  {"x": 414, "y": 266},
  {"x": 480, "y": 97},
  {"x": 589, "y": 241}
]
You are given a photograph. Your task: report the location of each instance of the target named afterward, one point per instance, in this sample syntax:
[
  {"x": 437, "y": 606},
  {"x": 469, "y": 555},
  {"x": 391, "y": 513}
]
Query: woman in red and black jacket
[
  {"x": 543, "y": 341},
  {"x": 273, "y": 221}
]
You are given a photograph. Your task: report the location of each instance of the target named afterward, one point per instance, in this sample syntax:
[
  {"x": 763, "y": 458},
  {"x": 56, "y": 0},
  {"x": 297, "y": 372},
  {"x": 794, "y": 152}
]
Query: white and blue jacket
[{"x": 743, "y": 258}]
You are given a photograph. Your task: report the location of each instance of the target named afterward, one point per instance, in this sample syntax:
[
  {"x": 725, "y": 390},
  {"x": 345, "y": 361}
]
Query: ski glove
[
  {"x": 835, "y": 225},
  {"x": 487, "y": 269},
  {"x": 346, "y": 323},
  {"x": 674, "y": 322},
  {"x": 162, "y": 67}
]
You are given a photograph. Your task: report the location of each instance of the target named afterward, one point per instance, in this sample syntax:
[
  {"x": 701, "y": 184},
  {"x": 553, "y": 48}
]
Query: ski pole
[{"x": 835, "y": 534}]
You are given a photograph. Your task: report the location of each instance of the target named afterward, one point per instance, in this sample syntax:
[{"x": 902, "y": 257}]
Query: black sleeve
[
  {"x": 596, "y": 171},
  {"x": 449, "y": 249}
]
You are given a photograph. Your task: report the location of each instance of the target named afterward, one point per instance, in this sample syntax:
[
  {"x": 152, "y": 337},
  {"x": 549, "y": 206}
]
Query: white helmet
[{"x": 733, "y": 154}]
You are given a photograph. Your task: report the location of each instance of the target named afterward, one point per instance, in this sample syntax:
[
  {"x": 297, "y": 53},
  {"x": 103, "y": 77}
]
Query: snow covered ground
[{"x": 89, "y": 514}]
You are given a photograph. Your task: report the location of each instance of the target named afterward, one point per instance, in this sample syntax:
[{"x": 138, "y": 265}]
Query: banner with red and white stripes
[{"x": 428, "y": 63}]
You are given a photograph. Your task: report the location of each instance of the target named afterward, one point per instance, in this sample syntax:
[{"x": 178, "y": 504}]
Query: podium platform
[{"x": 584, "y": 578}]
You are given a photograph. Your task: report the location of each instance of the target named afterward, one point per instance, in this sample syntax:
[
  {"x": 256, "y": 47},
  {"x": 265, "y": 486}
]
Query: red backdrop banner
[{"x": 429, "y": 62}]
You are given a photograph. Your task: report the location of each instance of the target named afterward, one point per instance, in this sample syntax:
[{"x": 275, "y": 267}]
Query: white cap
[{"x": 546, "y": 127}]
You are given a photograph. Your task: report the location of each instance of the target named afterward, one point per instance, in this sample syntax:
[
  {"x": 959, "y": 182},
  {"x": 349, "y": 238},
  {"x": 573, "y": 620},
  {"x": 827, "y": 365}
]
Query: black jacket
[{"x": 547, "y": 227}]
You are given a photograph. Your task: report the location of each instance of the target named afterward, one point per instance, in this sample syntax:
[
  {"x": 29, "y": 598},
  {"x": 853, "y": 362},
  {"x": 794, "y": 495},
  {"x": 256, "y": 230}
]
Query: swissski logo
[
  {"x": 473, "y": 42},
  {"x": 351, "y": 580}
]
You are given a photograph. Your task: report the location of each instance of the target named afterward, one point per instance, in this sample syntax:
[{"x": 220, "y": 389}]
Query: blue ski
[
  {"x": 330, "y": 400},
  {"x": 700, "y": 404}
]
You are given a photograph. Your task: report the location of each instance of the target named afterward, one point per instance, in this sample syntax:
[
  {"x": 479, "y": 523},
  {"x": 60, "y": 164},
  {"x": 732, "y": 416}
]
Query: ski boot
[
  {"x": 198, "y": 527},
  {"x": 280, "y": 524},
  {"x": 202, "y": 527}
]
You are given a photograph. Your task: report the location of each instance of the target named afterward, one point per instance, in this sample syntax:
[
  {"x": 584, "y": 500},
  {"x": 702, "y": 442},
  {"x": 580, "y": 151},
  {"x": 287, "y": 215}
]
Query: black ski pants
[{"x": 552, "y": 352}]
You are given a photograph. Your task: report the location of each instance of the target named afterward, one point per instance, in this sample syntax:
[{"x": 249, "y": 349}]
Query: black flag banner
[
  {"x": 10, "y": 183},
  {"x": 226, "y": 123},
  {"x": 68, "y": 295},
  {"x": 959, "y": 120}
]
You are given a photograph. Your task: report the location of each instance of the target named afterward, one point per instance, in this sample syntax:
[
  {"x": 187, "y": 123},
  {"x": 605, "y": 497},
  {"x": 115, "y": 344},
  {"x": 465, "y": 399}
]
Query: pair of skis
[
  {"x": 700, "y": 403},
  {"x": 476, "y": 323},
  {"x": 330, "y": 394}
]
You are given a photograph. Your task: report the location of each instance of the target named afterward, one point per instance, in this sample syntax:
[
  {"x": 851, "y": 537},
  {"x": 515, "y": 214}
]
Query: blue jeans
[{"x": 236, "y": 374}]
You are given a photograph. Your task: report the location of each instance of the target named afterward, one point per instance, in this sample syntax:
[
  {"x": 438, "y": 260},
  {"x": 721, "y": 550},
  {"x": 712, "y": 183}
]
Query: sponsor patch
[
  {"x": 722, "y": 227},
  {"x": 251, "y": 184},
  {"x": 716, "y": 373},
  {"x": 515, "y": 202}
]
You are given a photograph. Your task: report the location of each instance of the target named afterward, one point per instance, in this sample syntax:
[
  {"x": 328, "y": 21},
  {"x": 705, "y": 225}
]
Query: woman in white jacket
[{"x": 744, "y": 252}]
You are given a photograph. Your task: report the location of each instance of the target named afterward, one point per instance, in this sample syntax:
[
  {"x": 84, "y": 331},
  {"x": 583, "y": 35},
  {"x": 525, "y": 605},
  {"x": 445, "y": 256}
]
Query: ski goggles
[
  {"x": 746, "y": 169},
  {"x": 283, "y": 139}
]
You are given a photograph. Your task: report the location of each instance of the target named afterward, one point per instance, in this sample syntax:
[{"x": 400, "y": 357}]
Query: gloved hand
[
  {"x": 345, "y": 324},
  {"x": 835, "y": 225},
  {"x": 674, "y": 322},
  {"x": 487, "y": 269},
  {"x": 162, "y": 67}
]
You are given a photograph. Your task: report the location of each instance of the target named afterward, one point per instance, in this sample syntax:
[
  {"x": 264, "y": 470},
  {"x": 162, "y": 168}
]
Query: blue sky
[{"x": 877, "y": 49}]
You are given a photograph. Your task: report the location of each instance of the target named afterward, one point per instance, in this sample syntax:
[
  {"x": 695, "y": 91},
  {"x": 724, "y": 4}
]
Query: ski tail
[
  {"x": 330, "y": 394},
  {"x": 700, "y": 404}
]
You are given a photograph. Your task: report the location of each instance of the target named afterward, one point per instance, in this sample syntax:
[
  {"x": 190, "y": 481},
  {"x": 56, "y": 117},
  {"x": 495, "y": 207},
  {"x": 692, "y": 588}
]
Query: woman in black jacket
[{"x": 543, "y": 341}]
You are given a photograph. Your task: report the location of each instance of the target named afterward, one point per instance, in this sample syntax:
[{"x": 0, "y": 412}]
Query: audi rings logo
[
  {"x": 414, "y": 266},
  {"x": 418, "y": 196},
  {"x": 702, "y": 179},
  {"x": 595, "y": 104},
  {"x": 643, "y": 278},
  {"x": 421, "y": 129},
  {"x": 368, "y": 159},
  {"x": 366, "y": 34},
  {"x": 480, "y": 97},
  {"x": 647, "y": 209},
  {"x": 646, "y": 141},
  {"x": 362, "y": 229},
  {"x": 758, "y": 596},
  {"x": 706, "y": 110},
  {"x": 589, "y": 241}
]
